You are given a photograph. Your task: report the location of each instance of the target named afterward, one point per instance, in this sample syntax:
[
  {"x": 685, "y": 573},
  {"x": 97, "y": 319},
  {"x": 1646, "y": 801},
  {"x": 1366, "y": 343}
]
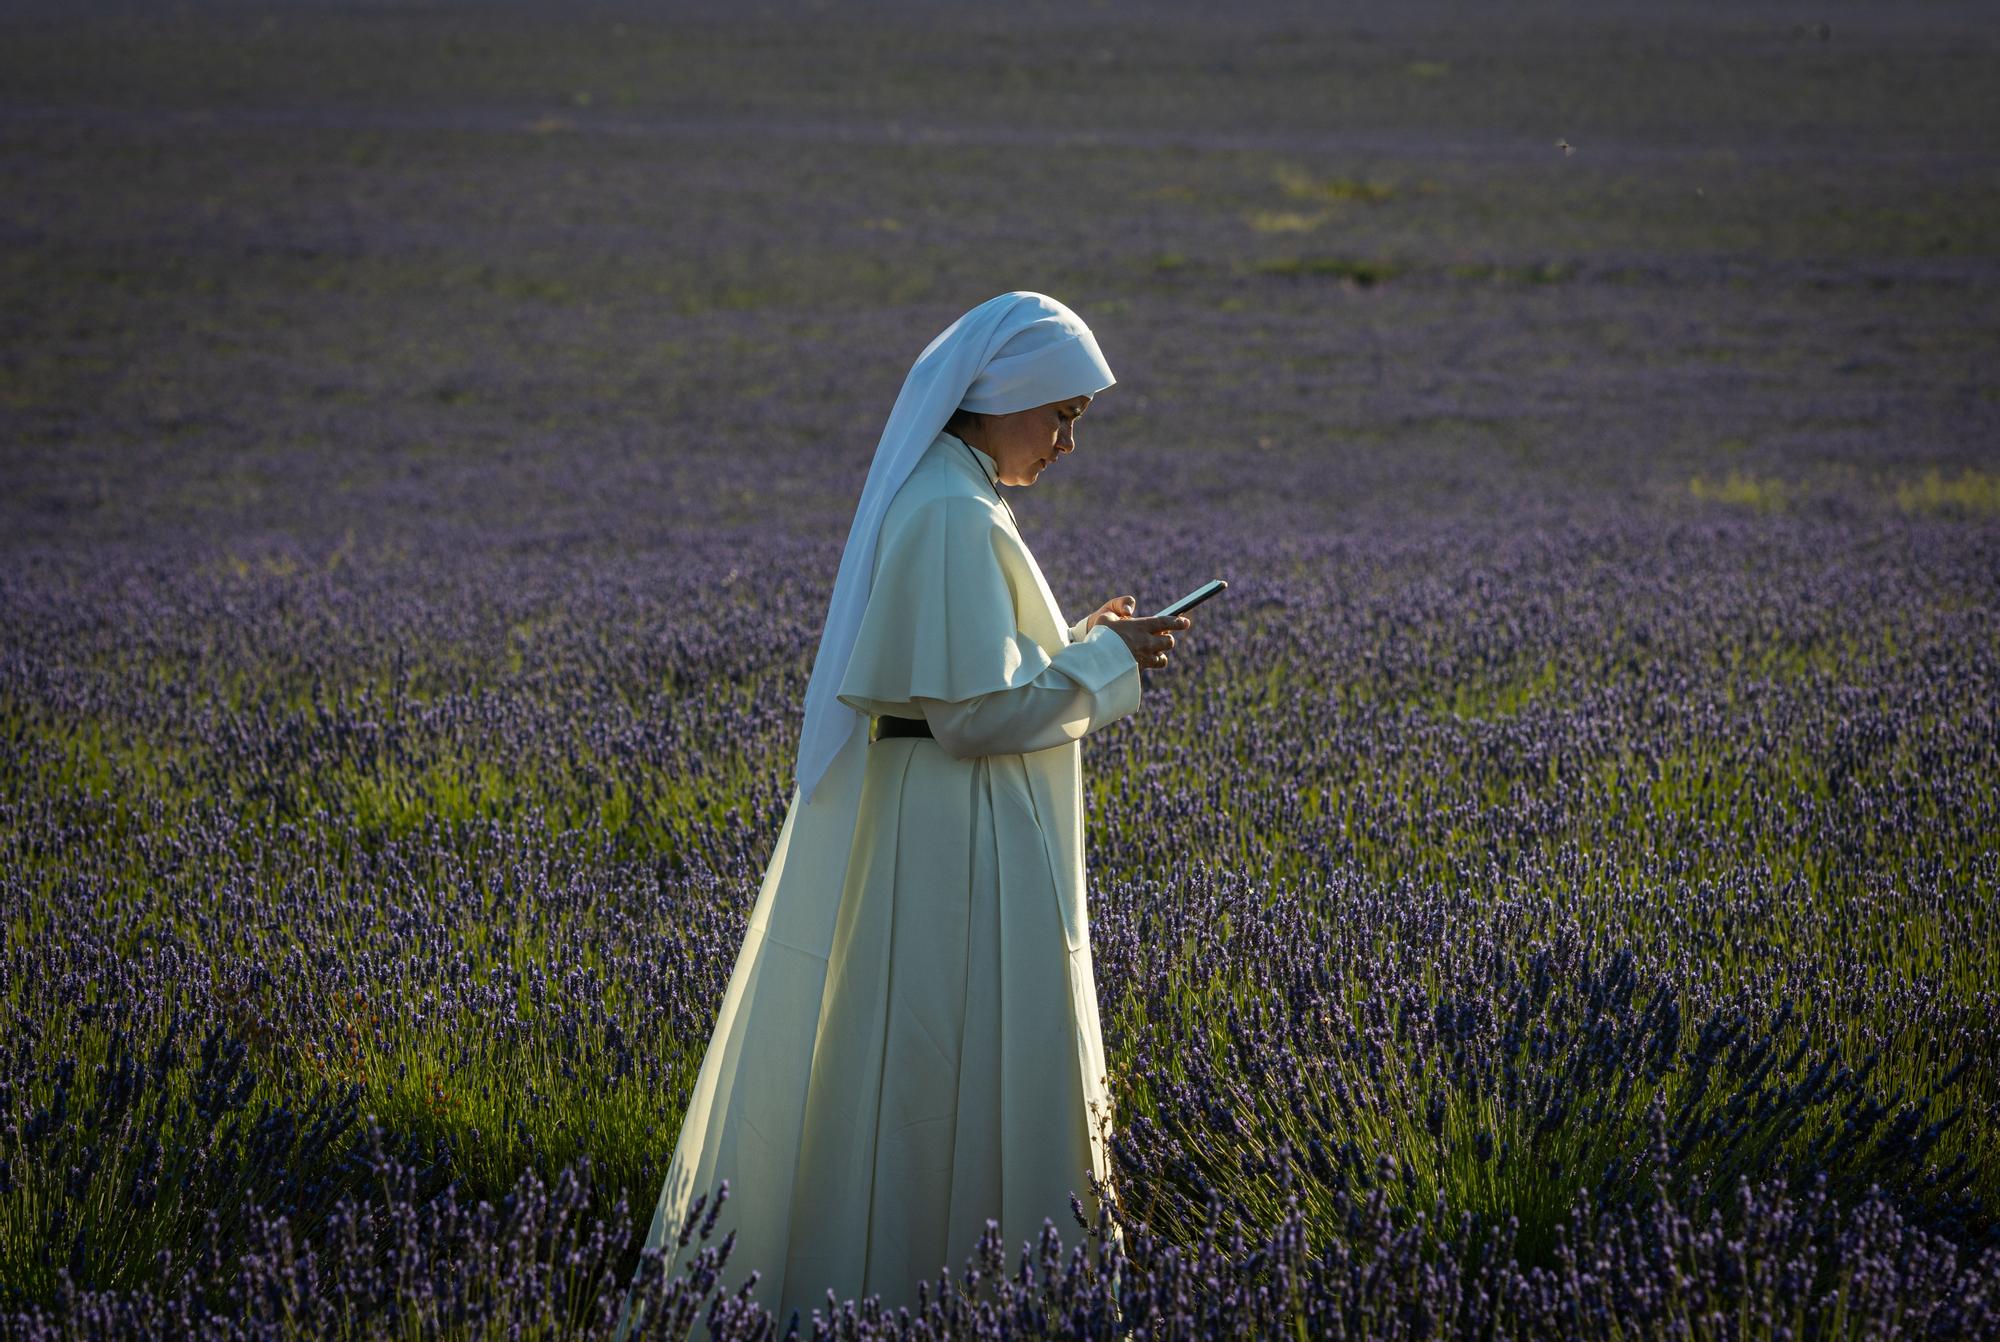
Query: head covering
[{"x": 1010, "y": 353}]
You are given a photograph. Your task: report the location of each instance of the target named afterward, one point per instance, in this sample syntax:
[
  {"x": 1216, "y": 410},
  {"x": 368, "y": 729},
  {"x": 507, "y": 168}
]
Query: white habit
[{"x": 909, "y": 1043}]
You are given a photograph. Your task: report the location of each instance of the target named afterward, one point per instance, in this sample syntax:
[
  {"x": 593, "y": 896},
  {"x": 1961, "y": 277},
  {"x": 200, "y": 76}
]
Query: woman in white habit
[{"x": 909, "y": 1042}]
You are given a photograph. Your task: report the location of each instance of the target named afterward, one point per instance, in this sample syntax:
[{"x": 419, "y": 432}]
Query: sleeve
[
  {"x": 1086, "y": 686},
  {"x": 1076, "y": 631},
  {"x": 940, "y": 630}
]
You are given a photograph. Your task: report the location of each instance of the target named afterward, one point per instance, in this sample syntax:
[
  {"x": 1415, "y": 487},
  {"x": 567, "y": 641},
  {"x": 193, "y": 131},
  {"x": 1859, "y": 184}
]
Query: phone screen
[{"x": 1193, "y": 599}]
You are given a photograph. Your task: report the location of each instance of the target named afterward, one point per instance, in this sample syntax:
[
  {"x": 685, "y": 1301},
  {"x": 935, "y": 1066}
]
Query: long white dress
[{"x": 909, "y": 1043}]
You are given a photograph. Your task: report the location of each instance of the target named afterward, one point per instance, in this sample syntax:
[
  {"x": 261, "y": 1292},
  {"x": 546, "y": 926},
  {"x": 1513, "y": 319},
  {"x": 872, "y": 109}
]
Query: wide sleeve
[
  {"x": 1087, "y": 686},
  {"x": 940, "y": 629}
]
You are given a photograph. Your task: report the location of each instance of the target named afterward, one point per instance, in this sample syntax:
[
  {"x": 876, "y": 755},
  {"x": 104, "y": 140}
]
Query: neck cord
[{"x": 996, "y": 488}]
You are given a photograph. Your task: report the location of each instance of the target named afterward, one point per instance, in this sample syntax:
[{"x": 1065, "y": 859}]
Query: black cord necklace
[{"x": 993, "y": 481}]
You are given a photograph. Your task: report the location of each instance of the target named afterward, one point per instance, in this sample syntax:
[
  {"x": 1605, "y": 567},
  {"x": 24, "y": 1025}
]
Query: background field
[{"x": 428, "y": 432}]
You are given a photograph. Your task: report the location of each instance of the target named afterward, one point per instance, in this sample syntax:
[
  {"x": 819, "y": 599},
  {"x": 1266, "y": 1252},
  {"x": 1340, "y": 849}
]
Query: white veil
[{"x": 1010, "y": 353}]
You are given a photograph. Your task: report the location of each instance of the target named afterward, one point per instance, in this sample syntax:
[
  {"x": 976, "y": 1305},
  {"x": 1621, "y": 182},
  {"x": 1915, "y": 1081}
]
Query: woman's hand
[
  {"x": 1150, "y": 638},
  {"x": 1117, "y": 608}
]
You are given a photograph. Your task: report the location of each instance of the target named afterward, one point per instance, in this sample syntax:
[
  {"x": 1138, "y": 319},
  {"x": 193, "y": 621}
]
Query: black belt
[{"x": 878, "y": 728}]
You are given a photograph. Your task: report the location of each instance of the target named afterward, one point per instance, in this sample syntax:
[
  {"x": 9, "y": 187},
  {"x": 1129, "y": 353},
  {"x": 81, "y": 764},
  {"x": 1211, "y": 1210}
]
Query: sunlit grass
[
  {"x": 1739, "y": 489},
  {"x": 1971, "y": 490},
  {"x": 1285, "y": 221},
  {"x": 1298, "y": 184}
]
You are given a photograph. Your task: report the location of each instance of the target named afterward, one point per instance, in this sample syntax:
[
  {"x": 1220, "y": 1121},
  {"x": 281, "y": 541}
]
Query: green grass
[
  {"x": 1971, "y": 492},
  {"x": 1740, "y": 489}
]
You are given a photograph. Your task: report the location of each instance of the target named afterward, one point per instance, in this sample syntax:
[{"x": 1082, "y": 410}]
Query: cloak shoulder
[{"x": 942, "y": 620}]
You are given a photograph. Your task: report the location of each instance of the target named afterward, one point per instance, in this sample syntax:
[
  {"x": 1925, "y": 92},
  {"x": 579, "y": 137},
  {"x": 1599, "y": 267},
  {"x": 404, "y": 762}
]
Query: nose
[{"x": 1066, "y": 439}]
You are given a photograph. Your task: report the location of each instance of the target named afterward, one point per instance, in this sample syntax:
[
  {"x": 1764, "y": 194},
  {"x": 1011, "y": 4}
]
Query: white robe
[{"x": 909, "y": 1043}]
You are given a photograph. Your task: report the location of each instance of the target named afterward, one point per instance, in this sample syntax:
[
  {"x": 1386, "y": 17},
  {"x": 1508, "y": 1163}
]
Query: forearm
[{"x": 1086, "y": 686}]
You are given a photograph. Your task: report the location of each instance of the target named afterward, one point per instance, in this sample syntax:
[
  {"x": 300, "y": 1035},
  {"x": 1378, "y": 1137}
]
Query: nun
[{"x": 909, "y": 1043}]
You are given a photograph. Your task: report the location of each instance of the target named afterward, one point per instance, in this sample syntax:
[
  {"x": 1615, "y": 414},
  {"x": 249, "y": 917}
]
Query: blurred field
[{"x": 428, "y": 432}]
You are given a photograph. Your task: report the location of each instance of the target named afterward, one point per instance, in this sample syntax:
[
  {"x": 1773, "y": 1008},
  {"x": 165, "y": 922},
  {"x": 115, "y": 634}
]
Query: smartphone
[{"x": 1192, "y": 599}]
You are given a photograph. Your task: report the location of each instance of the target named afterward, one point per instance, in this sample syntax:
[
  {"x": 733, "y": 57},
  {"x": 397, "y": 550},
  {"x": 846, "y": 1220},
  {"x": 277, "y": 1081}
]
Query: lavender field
[{"x": 1556, "y": 893}]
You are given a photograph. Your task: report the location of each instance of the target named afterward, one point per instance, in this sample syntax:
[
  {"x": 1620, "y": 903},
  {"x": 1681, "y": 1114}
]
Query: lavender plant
[{"x": 1553, "y": 895}]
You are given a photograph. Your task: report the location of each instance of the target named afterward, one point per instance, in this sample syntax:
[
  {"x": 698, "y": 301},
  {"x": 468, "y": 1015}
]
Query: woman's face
[{"x": 1023, "y": 443}]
